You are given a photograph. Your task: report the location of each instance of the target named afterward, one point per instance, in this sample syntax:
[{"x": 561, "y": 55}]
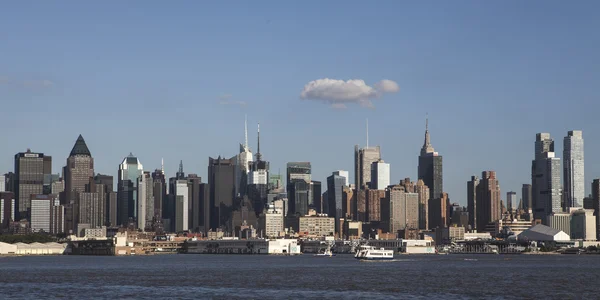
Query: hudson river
[{"x": 277, "y": 277}]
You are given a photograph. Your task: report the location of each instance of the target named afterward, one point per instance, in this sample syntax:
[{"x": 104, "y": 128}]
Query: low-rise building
[
  {"x": 283, "y": 246},
  {"x": 583, "y": 225},
  {"x": 318, "y": 225}
]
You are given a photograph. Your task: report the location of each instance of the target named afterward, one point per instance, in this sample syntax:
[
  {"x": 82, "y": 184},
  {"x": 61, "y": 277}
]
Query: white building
[
  {"x": 41, "y": 208},
  {"x": 380, "y": 175},
  {"x": 543, "y": 233},
  {"x": 181, "y": 205},
  {"x": 272, "y": 222},
  {"x": 145, "y": 200},
  {"x": 344, "y": 174},
  {"x": 2, "y": 183},
  {"x": 583, "y": 225},
  {"x": 573, "y": 169},
  {"x": 560, "y": 221},
  {"x": 284, "y": 246}
]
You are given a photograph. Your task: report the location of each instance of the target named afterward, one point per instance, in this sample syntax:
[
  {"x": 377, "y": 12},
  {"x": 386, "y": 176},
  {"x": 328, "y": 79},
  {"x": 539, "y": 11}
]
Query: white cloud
[
  {"x": 338, "y": 93},
  {"x": 387, "y": 86}
]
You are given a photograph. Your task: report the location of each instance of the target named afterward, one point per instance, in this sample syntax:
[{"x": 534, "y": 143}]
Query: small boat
[
  {"x": 327, "y": 253},
  {"x": 371, "y": 253}
]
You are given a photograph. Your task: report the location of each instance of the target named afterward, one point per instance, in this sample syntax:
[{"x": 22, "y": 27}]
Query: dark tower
[{"x": 430, "y": 167}]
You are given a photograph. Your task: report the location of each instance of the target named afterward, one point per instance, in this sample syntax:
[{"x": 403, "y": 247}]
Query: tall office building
[
  {"x": 335, "y": 188},
  {"x": 258, "y": 176},
  {"x": 195, "y": 205},
  {"x": 526, "y": 197},
  {"x": 42, "y": 208},
  {"x": 488, "y": 200},
  {"x": 573, "y": 169},
  {"x": 400, "y": 209},
  {"x": 511, "y": 202},
  {"x": 347, "y": 202},
  {"x": 241, "y": 163},
  {"x": 221, "y": 177},
  {"x": 438, "y": 211},
  {"x": 545, "y": 177},
  {"x": 49, "y": 178},
  {"x": 317, "y": 200},
  {"x": 380, "y": 175},
  {"x": 29, "y": 179},
  {"x": 78, "y": 173},
  {"x": 159, "y": 192},
  {"x": 472, "y": 201},
  {"x": 2, "y": 183},
  {"x": 104, "y": 186},
  {"x": 596, "y": 204},
  {"x": 129, "y": 172},
  {"x": 90, "y": 214},
  {"x": 423, "y": 191},
  {"x": 181, "y": 205},
  {"x": 145, "y": 201},
  {"x": 363, "y": 160},
  {"x": 298, "y": 187},
  {"x": 344, "y": 174},
  {"x": 373, "y": 200},
  {"x": 430, "y": 167}
]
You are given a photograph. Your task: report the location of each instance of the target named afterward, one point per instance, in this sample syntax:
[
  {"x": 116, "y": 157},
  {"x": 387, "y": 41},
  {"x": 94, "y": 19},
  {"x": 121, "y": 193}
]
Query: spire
[
  {"x": 427, "y": 148},
  {"x": 80, "y": 148},
  {"x": 162, "y": 166},
  {"x": 258, "y": 144},
  {"x": 180, "y": 174}
]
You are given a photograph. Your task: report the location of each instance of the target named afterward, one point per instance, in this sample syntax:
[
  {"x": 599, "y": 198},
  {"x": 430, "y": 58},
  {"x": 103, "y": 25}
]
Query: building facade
[
  {"x": 380, "y": 175},
  {"x": 363, "y": 160},
  {"x": 545, "y": 177},
  {"x": 29, "y": 179},
  {"x": 430, "y": 167},
  {"x": 573, "y": 169}
]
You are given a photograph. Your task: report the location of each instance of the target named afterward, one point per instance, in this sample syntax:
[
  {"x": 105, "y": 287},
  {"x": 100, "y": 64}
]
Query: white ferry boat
[
  {"x": 327, "y": 253},
  {"x": 372, "y": 253}
]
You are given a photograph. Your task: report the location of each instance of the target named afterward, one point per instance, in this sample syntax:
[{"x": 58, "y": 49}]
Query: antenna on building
[
  {"x": 367, "y": 132},
  {"x": 162, "y": 166},
  {"x": 258, "y": 146},
  {"x": 246, "y": 131}
]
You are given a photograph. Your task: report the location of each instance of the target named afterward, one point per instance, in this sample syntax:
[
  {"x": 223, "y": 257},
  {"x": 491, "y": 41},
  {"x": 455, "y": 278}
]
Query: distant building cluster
[{"x": 241, "y": 197}]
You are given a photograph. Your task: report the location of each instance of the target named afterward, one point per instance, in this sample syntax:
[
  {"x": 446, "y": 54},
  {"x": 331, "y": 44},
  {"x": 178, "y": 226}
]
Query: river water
[{"x": 305, "y": 276}]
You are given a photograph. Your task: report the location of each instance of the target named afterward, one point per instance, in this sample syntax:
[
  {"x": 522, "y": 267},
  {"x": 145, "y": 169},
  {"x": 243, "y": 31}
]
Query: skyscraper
[
  {"x": 573, "y": 169},
  {"x": 159, "y": 193},
  {"x": 472, "y": 201},
  {"x": 488, "y": 200},
  {"x": 317, "y": 201},
  {"x": 145, "y": 201},
  {"x": 29, "y": 179},
  {"x": 78, "y": 173},
  {"x": 380, "y": 175},
  {"x": 423, "y": 191},
  {"x": 181, "y": 205},
  {"x": 298, "y": 187},
  {"x": 104, "y": 185},
  {"x": 242, "y": 165},
  {"x": 343, "y": 174},
  {"x": 526, "y": 197},
  {"x": 221, "y": 177},
  {"x": 258, "y": 177},
  {"x": 596, "y": 200},
  {"x": 400, "y": 209},
  {"x": 511, "y": 201},
  {"x": 127, "y": 187},
  {"x": 2, "y": 183},
  {"x": 430, "y": 167},
  {"x": 545, "y": 177},
  {"x": 335, "y": 187},
  {"x": 363, "y": 160},
  {"x": 195, "y": 205},
  {"x": 438, "y": 211}
]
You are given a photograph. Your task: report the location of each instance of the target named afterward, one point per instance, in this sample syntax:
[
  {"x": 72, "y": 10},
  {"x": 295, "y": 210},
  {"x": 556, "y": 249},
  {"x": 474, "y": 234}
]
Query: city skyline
[{"x": 444, "y": 58}]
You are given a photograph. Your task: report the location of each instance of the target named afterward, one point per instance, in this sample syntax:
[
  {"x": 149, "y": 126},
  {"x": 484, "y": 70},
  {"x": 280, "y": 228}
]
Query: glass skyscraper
[{"x": 573, "y": 169}]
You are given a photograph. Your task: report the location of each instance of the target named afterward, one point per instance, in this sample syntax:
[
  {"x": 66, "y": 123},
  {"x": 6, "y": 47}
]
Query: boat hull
[{"x": 374, "y": 258}]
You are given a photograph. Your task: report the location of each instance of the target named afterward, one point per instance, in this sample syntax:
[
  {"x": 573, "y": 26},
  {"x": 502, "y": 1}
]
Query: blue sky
[{"x": 149, "y": 77}]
